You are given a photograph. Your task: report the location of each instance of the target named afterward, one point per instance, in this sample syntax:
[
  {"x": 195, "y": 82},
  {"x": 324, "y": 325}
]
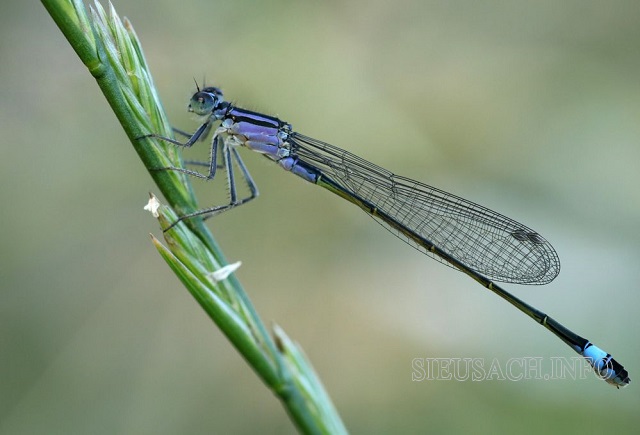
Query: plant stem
[{"x": 110, "y": 49}]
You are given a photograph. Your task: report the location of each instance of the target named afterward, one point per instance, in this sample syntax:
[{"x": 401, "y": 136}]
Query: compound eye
[
  {"x": 202, "y": 103},
  {"x": 213, "y": 90}
]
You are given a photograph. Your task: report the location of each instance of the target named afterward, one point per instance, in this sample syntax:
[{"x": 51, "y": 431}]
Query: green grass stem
[{"x": 111, "y": 51}]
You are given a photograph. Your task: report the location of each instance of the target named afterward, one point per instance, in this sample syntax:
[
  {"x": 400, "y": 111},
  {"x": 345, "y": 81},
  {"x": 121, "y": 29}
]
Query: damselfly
[{"x": 485, "y": 245}]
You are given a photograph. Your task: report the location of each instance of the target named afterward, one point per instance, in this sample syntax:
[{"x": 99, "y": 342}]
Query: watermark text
[{"x": 513, "y": 369}]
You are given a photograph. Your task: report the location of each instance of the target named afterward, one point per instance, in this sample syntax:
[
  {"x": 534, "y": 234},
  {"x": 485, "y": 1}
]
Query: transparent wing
[{"x": 487, "y": 242}]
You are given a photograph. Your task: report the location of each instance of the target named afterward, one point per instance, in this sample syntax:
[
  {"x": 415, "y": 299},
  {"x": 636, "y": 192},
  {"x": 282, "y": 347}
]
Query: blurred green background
[{"x": 529, "y": 108}]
